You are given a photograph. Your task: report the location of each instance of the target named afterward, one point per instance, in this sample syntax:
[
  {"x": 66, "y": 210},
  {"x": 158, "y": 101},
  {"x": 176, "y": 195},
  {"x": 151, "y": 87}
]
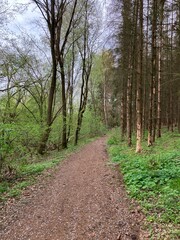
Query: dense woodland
[
  {"x": 148, "y": 68},
  {"x": 89, "y": 67},
  {"x": 79, "y": 69}
]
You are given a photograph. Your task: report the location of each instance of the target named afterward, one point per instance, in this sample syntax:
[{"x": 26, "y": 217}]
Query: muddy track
[{"x": 85, "y": 199}]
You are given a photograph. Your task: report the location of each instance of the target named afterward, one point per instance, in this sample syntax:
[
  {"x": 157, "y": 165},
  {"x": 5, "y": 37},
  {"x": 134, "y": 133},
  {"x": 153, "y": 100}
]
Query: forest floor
[{"x": 84, "y": 198}]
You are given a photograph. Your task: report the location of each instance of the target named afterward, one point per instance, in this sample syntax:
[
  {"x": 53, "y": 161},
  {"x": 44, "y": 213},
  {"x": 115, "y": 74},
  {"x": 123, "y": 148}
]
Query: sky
[
  {"x": 25, "y": 20},
  {"x": 25, "y": 17}
]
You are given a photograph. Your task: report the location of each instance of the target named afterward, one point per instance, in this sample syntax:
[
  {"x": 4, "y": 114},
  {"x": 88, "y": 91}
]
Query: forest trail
[{"x": 85, "y": 199}]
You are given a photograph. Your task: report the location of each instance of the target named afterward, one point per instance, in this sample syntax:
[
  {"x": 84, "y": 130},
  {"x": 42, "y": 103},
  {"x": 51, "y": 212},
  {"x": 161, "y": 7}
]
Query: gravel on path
[{"x": 85, "y": 199}]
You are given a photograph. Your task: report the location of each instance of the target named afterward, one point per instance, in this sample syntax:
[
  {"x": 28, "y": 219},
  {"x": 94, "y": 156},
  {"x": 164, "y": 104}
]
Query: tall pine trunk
[
  {"x": 131, "y": 75},
  {"x": 160, "y": 68},
  {"x": 152, "y": 92},
  {"x": 139, "y": 80},
  {"x": 129, "y": 107}
]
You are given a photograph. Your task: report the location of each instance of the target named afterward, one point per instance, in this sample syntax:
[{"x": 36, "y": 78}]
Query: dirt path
[{"x": 84, "y": 200}]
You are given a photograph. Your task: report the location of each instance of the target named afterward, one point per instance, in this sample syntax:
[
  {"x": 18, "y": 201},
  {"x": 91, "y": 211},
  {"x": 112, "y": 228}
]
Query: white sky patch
[{"x": 25, "y": 16}]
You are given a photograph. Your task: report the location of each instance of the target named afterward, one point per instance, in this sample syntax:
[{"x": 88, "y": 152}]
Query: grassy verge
[
  {"x": 153, "y": 179},
  {"x": 24, "y": 172}
]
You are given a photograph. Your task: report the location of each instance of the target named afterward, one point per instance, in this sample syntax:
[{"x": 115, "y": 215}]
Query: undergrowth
[
  {"x": 152, "y": 177},
  {"x": 24, "y": 173}
]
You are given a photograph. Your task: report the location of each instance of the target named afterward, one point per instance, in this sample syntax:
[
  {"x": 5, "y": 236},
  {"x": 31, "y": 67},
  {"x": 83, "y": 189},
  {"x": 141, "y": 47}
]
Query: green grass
[
  {"x": 152, "y": 177},
  {"x": 26, "y": 171},
  {"x": 36, "y": 168},
  {"x": 13, "y": 189},
  {"x": 4, "y": 186}
]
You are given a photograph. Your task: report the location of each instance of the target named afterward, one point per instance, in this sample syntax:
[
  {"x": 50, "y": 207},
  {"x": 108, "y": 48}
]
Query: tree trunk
[
  {"x": 86, "y": 70},
  {"x": 129, "y": 107},
  {"x": 178, "y": 115},
  {"x": 123, "y": 113},
  {"x": 64, "y": 112},
  {"x": 52, "y": 29},
  {"x": 71, "y": 90},
  {"x": 147, "y": 75},
  {"x": 139, "y": 81},
  {"x": 160, "y": 68},
  {"x": 171, "y": 115},
  {"x": 82, "y": 105},
  {"x": 104, "y": 101},
  {"x": 131, "y": 75},
  {"x": 152, "y": 93}
]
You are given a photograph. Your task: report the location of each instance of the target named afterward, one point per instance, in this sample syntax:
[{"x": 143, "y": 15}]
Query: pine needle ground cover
[{"x": 153, "y": 179}]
